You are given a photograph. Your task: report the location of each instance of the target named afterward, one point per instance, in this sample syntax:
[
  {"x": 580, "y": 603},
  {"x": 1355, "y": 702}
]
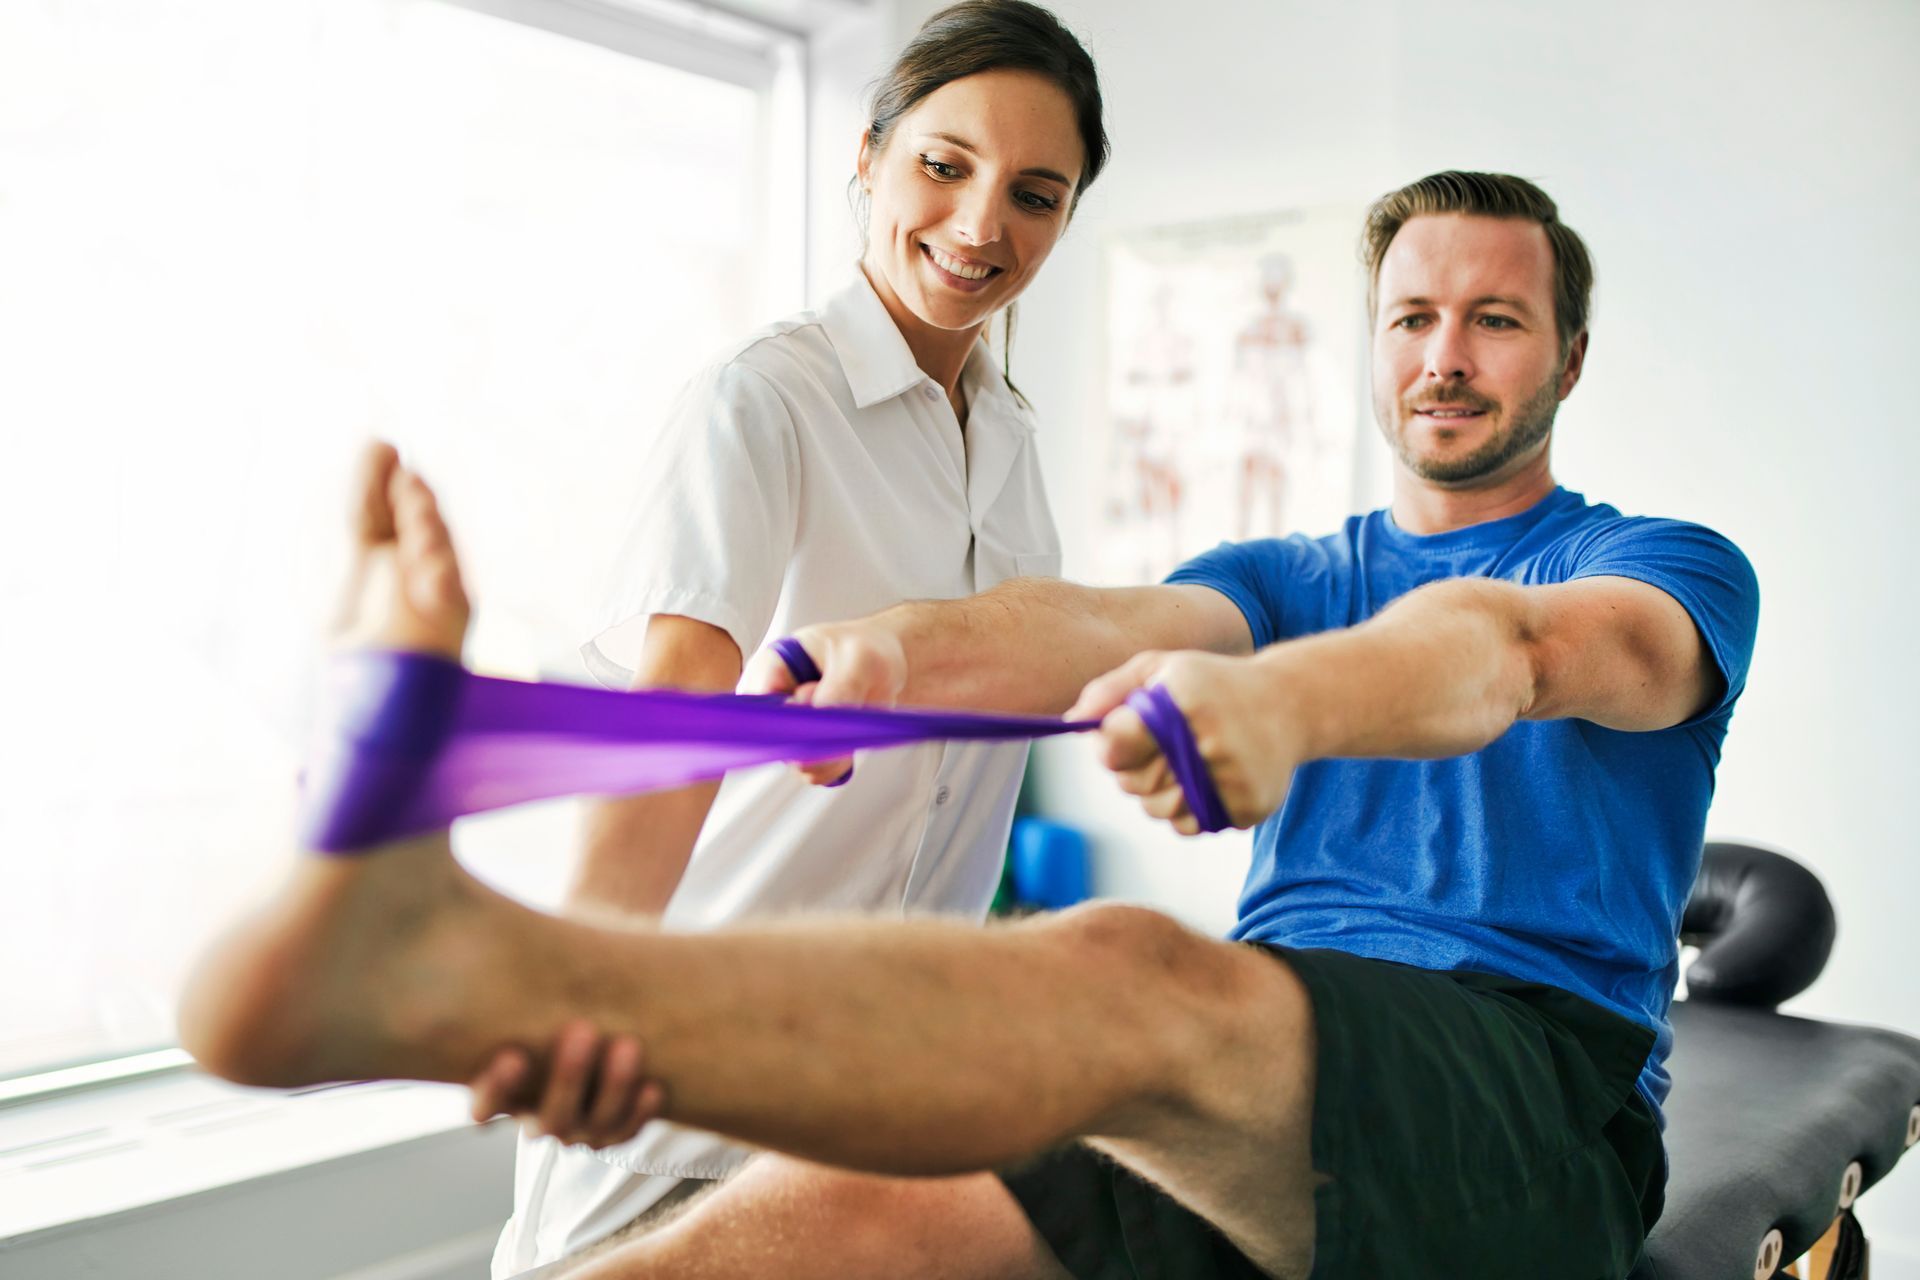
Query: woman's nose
[{"x": 977, "y": 218}]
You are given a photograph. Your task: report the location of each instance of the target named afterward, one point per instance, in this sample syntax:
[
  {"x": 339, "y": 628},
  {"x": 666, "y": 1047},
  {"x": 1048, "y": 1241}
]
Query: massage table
[{"x": 1776, "y": 1124}]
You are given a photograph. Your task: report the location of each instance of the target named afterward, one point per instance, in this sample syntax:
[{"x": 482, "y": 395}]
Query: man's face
[{"x": 1467, "y": 366}]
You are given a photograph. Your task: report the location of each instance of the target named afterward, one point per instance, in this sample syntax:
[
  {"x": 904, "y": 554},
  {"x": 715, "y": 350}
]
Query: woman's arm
[{"x": 635, "y": 848}]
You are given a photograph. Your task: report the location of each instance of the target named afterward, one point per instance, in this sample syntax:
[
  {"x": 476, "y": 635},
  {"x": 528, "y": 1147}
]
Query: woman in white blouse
[{"x": 825, "y": 467}]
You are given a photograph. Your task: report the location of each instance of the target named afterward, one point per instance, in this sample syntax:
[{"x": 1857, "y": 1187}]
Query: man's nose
[{"x": 1447, "y": 356}]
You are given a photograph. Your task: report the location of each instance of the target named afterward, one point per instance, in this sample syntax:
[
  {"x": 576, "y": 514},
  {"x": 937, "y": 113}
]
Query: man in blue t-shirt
[{"x": 1477, "y": 731}]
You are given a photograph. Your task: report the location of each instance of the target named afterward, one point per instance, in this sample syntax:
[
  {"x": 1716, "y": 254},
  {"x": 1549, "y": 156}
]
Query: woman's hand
[
  {"x": 594, "y": 1092},
  {"x": 861, "y": 664}
]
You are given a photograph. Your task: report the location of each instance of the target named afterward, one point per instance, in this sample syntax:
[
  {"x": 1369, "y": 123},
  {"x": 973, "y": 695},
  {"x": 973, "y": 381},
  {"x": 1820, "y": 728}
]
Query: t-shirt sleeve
[
  {"x": 1254, "y": 575},
  {"x": 1706, "y": 573},
  {"x": 713, "y": 523}
]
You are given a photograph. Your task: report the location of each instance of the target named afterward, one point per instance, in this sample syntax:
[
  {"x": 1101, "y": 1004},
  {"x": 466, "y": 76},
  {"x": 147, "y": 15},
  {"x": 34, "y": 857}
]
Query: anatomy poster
[{"x": 1235, "y": 384}]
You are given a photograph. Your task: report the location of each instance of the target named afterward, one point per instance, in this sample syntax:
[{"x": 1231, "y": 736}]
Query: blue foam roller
[{"x": 1049, "y": 863}]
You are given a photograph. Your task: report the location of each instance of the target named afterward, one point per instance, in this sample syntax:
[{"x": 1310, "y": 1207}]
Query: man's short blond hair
[{"x": 1487, "y": 195}]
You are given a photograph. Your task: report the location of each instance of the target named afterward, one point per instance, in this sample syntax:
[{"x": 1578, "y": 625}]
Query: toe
[
  {"x": 372, "y": 510},
  {"x": 429, "y": 571},
  {"x": 370, "y": 526}
]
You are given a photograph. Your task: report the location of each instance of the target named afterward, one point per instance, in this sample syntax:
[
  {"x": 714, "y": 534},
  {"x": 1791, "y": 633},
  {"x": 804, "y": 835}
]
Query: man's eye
[
  {"x": 1499, "y": 322},
  {"x": 1410, "y": 322},
  {"x": 939, "y": 168}
]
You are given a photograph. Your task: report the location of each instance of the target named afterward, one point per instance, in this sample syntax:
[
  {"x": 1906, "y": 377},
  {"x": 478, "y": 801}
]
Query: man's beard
[{"x": 1531, "y": 425}]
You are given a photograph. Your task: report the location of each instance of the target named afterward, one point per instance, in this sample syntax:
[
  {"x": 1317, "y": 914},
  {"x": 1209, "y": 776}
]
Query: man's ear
[{"x": 1576, "y": 361}]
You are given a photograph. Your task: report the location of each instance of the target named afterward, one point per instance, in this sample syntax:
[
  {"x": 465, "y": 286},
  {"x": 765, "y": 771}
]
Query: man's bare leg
[
  {"x": 926, "y": 1048},
  {"x": 799, "y": 1221},
  {"x": 671, "y": 1207}
]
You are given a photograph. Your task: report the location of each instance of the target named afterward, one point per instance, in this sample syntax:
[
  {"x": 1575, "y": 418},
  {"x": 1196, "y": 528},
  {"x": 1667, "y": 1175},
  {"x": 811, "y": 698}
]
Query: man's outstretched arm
[
  {"x": 1442, "y": 671},
  {"x": 1449, "y": 668}
]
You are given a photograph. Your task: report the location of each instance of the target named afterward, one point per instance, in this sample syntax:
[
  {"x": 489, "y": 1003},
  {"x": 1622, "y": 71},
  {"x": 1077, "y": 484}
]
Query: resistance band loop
[
  {"x": 1162, "y": 716},
  {"x": 803, "y": 669},
  {"x": 800, "y": 663},
  {"x": 414, "y": 741}
]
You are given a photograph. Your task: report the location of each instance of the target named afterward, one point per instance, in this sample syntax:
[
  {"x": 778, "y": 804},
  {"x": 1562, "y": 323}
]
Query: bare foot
[{"x": 360, "y": 964}]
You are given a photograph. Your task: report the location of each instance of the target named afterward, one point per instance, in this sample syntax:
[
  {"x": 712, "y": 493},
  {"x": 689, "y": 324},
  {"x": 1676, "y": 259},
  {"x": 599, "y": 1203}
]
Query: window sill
[{"x": 68, "y": 1161}]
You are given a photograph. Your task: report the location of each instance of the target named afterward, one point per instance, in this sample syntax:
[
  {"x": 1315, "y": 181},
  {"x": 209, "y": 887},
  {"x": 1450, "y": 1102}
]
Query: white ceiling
[{"x": 794, "y": 15}]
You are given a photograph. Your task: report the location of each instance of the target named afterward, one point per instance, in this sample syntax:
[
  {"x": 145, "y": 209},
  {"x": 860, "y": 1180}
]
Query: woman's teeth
[{"x": 953, "y": 266}]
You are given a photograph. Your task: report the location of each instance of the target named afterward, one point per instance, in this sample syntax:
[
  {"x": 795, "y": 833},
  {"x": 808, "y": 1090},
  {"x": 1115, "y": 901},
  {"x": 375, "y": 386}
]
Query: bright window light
[{"x": 236, "y": 239}]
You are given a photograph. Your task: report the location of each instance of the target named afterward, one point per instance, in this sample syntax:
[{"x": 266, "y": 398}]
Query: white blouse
[{"x": 814, "y": 473}]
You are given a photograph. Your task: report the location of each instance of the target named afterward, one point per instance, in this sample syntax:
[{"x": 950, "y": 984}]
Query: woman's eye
[
  {"x": 939, "y": 168},
  {"x": 1037, "y": 202}
]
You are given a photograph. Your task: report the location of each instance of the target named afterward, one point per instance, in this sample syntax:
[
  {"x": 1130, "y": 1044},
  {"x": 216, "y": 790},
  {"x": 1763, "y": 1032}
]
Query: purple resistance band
[
  {"x": 417, "y": 740},
  {"x": 800, "y": 663},
  {"x": 1164, "y": 720},
  {"x": 803, "y": 669}
]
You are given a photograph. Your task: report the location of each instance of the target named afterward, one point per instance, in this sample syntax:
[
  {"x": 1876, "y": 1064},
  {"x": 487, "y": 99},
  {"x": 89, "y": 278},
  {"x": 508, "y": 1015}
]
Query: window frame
[{"x": 687, "y": 35}]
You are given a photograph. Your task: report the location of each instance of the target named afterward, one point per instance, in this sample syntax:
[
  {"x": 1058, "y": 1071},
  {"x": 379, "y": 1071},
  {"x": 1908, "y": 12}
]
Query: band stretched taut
[{"x": 415, "y": 740}]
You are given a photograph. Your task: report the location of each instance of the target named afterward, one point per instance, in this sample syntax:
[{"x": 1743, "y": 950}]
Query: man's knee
[
  {"x": 1160, "y": 958},
  {"x": 1223, "y": 1015},
  {"x": 1101, "y": 921}
]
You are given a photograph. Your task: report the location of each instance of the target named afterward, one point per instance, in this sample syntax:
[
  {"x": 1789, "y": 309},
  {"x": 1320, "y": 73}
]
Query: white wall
[
  {"x": 1747, "y": 175},
  {"x": 843, "y": 57}
]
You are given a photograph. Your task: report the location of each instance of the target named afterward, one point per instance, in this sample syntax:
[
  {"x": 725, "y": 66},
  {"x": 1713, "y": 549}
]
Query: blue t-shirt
[{"x": 1560, "y": 853}]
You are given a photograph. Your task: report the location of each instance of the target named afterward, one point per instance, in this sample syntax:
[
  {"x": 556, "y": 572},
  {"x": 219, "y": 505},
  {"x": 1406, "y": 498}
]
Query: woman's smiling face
[{"x": 968, "y": 197}]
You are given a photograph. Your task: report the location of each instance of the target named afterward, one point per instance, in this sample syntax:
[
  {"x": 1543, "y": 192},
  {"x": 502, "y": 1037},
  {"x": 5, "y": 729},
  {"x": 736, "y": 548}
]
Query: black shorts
[{"x": 1468, "y": 1124}]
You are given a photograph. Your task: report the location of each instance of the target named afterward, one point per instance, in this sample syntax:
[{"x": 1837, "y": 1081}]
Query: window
[{"x": 236, "y": 239}]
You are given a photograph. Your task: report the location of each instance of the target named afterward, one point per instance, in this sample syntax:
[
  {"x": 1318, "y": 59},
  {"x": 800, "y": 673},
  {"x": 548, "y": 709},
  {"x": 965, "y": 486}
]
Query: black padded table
[
  {"x": 1775, "y": 1123},
  {"x": 1768, "y": 1115}
]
